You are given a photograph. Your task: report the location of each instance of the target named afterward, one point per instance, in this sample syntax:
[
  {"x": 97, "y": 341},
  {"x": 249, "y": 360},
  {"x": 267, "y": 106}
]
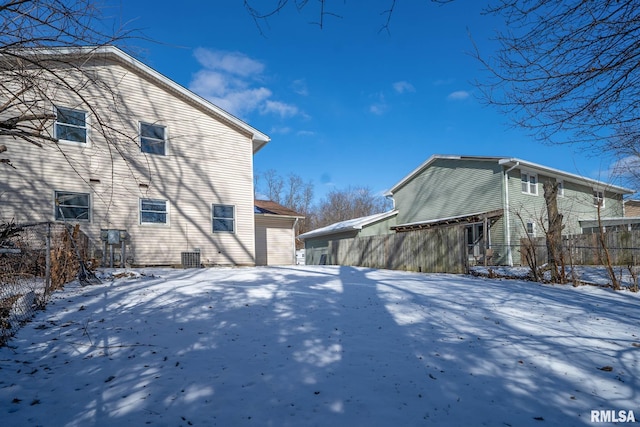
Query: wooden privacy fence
[
  {"x": 586, "y": 249},
  {"x": 437, "y": 250}
]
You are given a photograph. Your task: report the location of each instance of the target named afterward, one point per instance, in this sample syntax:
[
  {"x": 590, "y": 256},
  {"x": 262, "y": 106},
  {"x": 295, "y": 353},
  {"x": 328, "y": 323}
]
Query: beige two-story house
[{"x": 134, "y": 158}]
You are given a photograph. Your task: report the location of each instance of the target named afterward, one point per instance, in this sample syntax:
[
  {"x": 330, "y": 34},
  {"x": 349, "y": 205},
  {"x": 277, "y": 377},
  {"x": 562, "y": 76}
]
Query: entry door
[{"x": 475, "y": 239}]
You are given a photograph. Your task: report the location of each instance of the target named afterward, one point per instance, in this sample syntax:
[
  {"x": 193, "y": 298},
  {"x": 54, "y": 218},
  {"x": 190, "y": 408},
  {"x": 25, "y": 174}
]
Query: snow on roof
[{"x": 348, "y": 225}]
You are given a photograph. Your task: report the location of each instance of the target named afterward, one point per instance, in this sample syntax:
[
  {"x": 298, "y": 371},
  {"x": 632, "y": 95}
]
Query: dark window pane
[
  {"x": 152, "y": 146},
  {"x": 222, "y": 225},
  {"x": 71, "y": 117},
  {"x": 222, "y": 211},
  {"x": 152, "y": 131},
  {"x": 69, "y": 133}
]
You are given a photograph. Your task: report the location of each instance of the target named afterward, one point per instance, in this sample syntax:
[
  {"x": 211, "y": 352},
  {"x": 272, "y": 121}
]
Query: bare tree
[
  {"x": 354, "y": 202},
  {"x": 569, "y": 71},
  {"x": 325, "y": 9},
  {"x": 553, "y": 233},
  {"x": 292, "y": 192},
  {"x": 31, "y": 74}
]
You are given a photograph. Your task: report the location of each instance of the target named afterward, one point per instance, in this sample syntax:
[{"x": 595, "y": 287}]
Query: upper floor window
[
  {"x": 153, "y": 211},
  {"x": 72, "y": 206},
  {"x": 531, "y": 228},
  {"x": 598, "y": 198},
  {"x": 223, "y": 218},
  {"x": 529, "y": 183},
  {"x": 152, "y": 139},
  {"x": 71, "y": 125}
]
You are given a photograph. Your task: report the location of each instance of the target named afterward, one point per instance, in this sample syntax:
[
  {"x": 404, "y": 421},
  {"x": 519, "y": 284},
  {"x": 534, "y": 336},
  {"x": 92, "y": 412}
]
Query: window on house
[
  {"x": 71, "y": 125},
  {"x": 72, "y": 206},
  {"x": 529, "y": 183},
  {"x": 531, "y": 228},
  {"x": 598, "y": 198},
  {"x": 152, "y": 139},
  {"x": 153, "y": 211},
  {"x": 223, "y": 218}
]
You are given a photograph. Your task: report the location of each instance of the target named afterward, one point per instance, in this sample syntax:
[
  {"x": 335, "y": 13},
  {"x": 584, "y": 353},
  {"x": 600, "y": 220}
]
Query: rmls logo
[{"x": 612, "y": 416}]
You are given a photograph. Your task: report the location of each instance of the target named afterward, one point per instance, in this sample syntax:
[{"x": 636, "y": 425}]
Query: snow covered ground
[{"x": 322, "y": 346}]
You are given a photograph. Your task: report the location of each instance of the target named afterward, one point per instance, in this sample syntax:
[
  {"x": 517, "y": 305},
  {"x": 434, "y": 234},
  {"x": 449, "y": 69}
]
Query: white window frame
[
  {"x": 531, "y": 223},
  {"x": 525, "y": 179},
  {"x": 154, "y": 223},
  {"x": 153, "y": 139},
  {"x": 59, "y": 216},
  {"x": 598, "y": 198},
  {"x": 85, "y": 127},
  {"x": 214, "y": 218}
]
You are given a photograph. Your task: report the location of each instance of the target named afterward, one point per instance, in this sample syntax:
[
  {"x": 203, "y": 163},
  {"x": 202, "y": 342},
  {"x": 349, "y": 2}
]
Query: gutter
[{"x": 507, "y": 214}]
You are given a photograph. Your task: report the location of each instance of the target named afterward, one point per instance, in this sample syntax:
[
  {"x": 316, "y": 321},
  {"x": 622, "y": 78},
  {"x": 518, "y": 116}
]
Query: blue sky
[{"x": 349, "y": 104}]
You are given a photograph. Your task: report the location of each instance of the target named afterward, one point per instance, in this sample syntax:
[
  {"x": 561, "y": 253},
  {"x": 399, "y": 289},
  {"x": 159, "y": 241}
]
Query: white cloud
[
  {"x": 300, "y": 87},
  {"x": 280, "y": 130},
  {"x": 280, "y": 108},
  {"x": 378, "y": 109},
  {"x": 403, "y": 87},
  {"x": 459, "y": 95},
  {"x": 230, "y": 80},
  {"x": 230, "y": 62},
  {"x": 305, "y": 133}
]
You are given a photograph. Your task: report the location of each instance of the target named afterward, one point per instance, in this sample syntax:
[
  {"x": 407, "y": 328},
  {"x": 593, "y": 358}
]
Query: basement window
[{"x": 72, "y": 206}]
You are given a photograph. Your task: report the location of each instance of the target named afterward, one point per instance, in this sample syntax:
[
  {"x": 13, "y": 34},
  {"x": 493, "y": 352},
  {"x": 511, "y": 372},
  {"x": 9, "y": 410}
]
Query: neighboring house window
[
  {"x": 72, "y": 206},
  {"x": 223, "y": 218},
  {"x": 152, "y": 139},
  {"x": 71, "y": 125},
  {"x": 560, "y": 188},
  {"x": 153, "y": 211},
  {"x": 598, "y": 198},
  {"x": 531, "y": 228},
  {"x": 529, "y": 183}
]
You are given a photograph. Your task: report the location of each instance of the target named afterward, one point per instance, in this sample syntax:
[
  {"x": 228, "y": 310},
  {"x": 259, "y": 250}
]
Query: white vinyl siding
[{"x": 189, "y": 181}]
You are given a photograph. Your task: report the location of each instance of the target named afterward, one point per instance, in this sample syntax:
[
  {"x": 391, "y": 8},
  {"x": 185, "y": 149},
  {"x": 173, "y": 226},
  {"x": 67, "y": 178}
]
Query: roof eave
[{"x": 258, "y": 138}]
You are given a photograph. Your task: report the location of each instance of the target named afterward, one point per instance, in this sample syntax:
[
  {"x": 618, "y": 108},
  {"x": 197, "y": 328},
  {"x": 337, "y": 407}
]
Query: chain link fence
[{"x": 36, "y": 260}]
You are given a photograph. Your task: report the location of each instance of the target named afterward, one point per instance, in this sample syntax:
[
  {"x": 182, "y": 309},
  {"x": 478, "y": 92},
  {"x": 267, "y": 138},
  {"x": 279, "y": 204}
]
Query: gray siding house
[
  {"x": 498, "y": 200},
  {"x": 316, "y": 242}
]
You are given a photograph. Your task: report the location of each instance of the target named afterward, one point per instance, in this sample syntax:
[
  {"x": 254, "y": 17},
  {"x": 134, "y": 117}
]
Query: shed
[{"x": 275, "y": 227}]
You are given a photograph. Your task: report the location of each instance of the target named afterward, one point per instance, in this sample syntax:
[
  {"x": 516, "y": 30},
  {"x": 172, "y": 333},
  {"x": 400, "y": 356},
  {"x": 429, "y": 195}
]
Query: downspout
[
  {"x": 506, "y": 214},
  {"x": 295, "y": 223}
]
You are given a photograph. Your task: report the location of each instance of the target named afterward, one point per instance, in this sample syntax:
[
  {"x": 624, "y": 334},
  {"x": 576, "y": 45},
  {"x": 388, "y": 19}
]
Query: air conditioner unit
[{"x": 190, "y": 259}]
